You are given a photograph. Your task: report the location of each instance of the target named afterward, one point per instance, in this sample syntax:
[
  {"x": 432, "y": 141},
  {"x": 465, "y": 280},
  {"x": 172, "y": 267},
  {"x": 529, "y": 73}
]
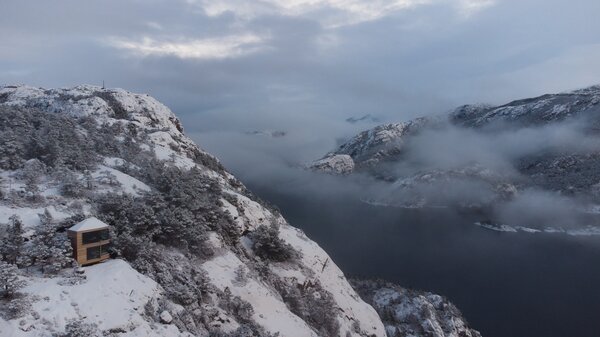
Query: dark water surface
[{"x": 506, "y": 284}]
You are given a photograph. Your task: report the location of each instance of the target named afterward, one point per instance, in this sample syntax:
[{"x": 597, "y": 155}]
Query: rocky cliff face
[
  {"x": 196, "y": 254},
  {"x": 412, "y": 313}
]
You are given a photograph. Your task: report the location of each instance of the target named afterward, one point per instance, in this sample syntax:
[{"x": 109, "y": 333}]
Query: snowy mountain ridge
[
  {"x": 197, "y": 252},
  {"x": 387, "y": 141},
  {"x": 533, "y": 111},
  {"x": 371, "y": 146},
  {"x": 494, "y": 159}
]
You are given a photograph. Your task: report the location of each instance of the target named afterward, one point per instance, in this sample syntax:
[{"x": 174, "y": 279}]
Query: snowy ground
[{"x": 112, "y": 296}]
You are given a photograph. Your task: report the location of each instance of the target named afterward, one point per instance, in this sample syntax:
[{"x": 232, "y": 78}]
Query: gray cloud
[{"x": 301, "y": 67}]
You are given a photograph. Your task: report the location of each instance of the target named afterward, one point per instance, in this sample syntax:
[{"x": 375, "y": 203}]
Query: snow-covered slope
[
  {"x": 184, "y": 229},
  {"x": 549, "y": 108},
  {"x": 110, "y": 106},
  {"x": 111, "y": 296},
  {"x": 337, "y": 164}
]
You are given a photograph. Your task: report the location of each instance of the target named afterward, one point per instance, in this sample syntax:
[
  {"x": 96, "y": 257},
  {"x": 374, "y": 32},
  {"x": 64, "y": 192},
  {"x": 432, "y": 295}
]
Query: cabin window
[
  {"x": 91, "y": 237},
  {"x": 96, "y": 252},
  {"x": 93, "y": 253}
]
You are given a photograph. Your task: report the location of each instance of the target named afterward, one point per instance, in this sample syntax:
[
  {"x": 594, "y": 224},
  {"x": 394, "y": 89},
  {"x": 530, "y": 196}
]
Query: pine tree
[
  {"x": 89, "y": 180},
  {"x": 40, "y": 249},
  {"x": 50, "y": 250},
  {"x": 11, "y": 151},
  {"x": 71, "y": 186},
  {"x": 46, "y": 217},
  {"x": 10, "y": 282},
  {"x": 2, "y": 187},
  {"x": 268, "y": 245},
  {"x": 12, "y": 244},
  {"x": 32, "y": 173}
]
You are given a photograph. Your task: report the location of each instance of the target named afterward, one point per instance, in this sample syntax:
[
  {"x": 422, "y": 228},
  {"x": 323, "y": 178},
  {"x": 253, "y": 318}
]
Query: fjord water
[{"x": 506, "y": 284}]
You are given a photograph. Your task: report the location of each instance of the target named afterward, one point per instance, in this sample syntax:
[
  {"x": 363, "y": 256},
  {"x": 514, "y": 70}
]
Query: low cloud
[
  {"x": 330, "y": 13},
  {"x": 471, "y": 7},
  {"x": 535, "y": 208},
  {"x": 448, "y": 166},
  {"x": 212, "y": 48},
  {"x": 496, "y": 147}
]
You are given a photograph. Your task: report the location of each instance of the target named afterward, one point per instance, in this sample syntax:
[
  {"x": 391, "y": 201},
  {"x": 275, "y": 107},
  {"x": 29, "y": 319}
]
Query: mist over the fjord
[{"x": 456, "y": 167}]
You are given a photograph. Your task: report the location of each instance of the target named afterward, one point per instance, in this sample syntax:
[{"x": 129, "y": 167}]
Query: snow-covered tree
[
  {"x": 10, "y": 282},
  {"x": 2, "y": 187},
  {"x": 89, "y": 180},
  {"x": 77, "y": 328},
  {"x": 268, "y": 245},
  {"x": 108, "y": 178},
  {"x": 71, "y": 185},
  {"x": 46, "y": 217},
  {"x": 11, "y": 151},
  {"x": 12, "y": 244},
  {"x": 241, "y": 277},
  {"x": 33, "y": 171},
  {"x": 49, "y": 249}
]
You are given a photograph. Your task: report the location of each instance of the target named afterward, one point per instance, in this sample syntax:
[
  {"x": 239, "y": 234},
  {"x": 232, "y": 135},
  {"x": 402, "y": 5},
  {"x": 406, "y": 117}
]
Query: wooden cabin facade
[{"x": 90, "y": 241}]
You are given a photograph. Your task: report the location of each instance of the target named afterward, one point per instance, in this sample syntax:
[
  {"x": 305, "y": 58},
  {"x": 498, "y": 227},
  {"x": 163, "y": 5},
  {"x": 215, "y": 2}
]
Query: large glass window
[
  {"x": 91, "y": 237},
  {"x": 93, "y": 253},
  {"x": 96, "y": 252}
]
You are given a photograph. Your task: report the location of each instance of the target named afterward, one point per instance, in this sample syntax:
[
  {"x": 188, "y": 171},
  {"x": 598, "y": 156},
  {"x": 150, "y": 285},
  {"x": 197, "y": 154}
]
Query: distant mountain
[
  {"x": 195, "y": 253},
  {"x": 480, "y": 155},
  {"x": 366, "y": 118},
  {"x": 379, "y": 144},
  {"x": 268, "y": 133}
]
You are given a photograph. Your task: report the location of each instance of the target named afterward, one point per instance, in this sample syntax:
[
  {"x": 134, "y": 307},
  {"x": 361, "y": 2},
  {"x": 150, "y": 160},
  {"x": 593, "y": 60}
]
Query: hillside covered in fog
[{"x": 531, "y": 164}]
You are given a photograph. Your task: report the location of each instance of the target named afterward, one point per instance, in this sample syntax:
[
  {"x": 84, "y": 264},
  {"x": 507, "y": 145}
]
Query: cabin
[{"x": 90, "y": 241}]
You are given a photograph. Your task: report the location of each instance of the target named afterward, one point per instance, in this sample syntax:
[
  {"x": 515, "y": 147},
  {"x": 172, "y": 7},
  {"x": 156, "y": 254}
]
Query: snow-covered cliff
[{"x": 196, "y": 253}]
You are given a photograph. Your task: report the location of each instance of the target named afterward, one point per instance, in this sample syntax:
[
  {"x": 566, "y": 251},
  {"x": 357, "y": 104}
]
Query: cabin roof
[{"x": 88, "y": 224}]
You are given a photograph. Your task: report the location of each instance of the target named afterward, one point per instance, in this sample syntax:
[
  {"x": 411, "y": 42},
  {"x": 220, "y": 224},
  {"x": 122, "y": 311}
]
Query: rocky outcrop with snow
[
  {"x": 412, "y": 313},
  {"x": 197, "y": 253},
  {"x": 370, "y": 147},
  {"x": 337, "y": 164}
]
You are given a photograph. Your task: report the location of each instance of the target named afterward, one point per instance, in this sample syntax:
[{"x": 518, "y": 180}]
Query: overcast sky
[{"x": 303, "y": 66}]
